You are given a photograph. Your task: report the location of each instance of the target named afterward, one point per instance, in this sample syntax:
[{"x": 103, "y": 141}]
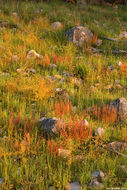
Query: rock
[
  {"x": 64, "y": 153},
  {"x": 57, "y": 25},
  {"x": 1, "y": 181},
  {"x": 123, "y": 35},
  {"x": 123, "y": 168},
  {"x": 15, "y": 15},
  {"x": 50, "y": 125},
  {"x": 51, "y": 188},
  {"x": 121, "y": 105},
  {"x": 98, "y": 174},
  {"x": 73, "y": 186},
  {"x": 4, "y": 23},
  {"x": 98, "y": 42},
  {"x": 119, "y": 63},
  {"x": 58, "y": 90},
  {"x": 115, "y": 7},
  {"x": 32, "y": 71},
  {"x": 111, "y": 67},
  {"x": 116, "y": 146},
  {"x": 99, "y": 131},
  {"x": 79, "y": 35},
  {"x": 85, "y": 123},
  {"x": 76, "y": 81},
  {"x": 14, "y": 58},
  {"x": 52, "y": 66},
  {"x": 5, "y": 74},
  {"x": 95, "y": 184},
  {"x": 38, "y": 11},
  {"x": 33, "y": 54}
]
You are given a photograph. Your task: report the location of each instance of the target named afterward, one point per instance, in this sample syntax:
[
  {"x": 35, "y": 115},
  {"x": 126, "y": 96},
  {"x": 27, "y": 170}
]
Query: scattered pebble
[
  {"x": 119, "y": 63},
  {"x": 95, "y": 184},
  {"x": 32, "y": 70},
  {"x": 97, "y": 174},
  {"x": 14, "y": 58},
  {"x": 52, "y": 66},
  {"x": 99, "y": 131},
  {"x": 57, "y": 25},
  {"x": 58, "y": 89},
  {"x": 5, "y": 74},
  {"x": 123, "y": 34},
  {"x": 98, "y": 42},
  {"x": 64, "y": 153},
  {"x": 33, "y": 54},
  {"x": 73, "y": 186},
  {"x": 85, "y": 123},
  {"x": 1, "y": 181}
]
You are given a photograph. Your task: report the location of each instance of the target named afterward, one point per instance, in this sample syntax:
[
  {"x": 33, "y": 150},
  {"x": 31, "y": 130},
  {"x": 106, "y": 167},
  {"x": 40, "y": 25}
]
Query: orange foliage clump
[
  {"x": 105, "y": 114},
  {"x": 63, "y": 108}
]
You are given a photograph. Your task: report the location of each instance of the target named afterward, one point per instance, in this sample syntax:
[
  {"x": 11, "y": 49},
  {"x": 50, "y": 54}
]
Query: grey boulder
[{"x": 79, "y": 35}]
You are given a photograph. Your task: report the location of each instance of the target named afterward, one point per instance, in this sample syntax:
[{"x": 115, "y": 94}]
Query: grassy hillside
[{"x": 71, "y": 83}]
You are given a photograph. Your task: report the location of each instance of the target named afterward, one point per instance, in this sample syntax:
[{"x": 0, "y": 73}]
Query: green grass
[{"x": 25, "y": 157}]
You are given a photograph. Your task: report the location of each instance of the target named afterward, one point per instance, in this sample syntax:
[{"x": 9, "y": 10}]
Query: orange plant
[
  {"x": 63, "y": 108},
  {"x": 123, "y": 69},
  {"x": 105, "y": 113},
  {"x": 58, "y": 59},
  {"x": 75, "y": 130}
]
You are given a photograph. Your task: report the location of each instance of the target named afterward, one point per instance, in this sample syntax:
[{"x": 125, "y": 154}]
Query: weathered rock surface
[
  {"x": 79, "y": 35},
  {"x": 96, "y": 184},
  {"x": 64, "y": 153},
  {"x": 73, "y": 186},
  {"x": 117, "y": 146},
  {"x": 99, "y": 131},
  {"x": 57, "y": 25},
  {"x": 33, "y": 54},
  {"x": 50, "y": 125},
  {"x": 121, "y": 106},
  {"x": 97, "y": 174},
  {"x": 97, "y": 178},
  {"x": 1, "y": 181}
]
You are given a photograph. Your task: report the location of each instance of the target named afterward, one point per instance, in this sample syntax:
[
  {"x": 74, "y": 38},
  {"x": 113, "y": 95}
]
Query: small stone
[
  {"x": 119, "y": 63},
  {"x": 97, "y": 174},
  {"x": 51, "y": 188},
  {"x": 15, "y": 15},
  {"x": 73, "y": 186},
  {"x": 110, "y": 67},
  {"x": 115, "y": 7},
  {"x": 38, "y": 11},
  {"x": 58, "y": 90},
  {"x": 5, "y": 74},
  {"x": 85, "y": 123},
  {"x": 98, "y": 42},
  {"x": 33, "y": 54},
  {"x": 117, "y": 146},
  {"x": 57, "y": 25},
  {"x": 15, "y": 58},
  {"x": 1, "y": 181},
  {"x": 52, "y": 66},
  {"x": 123, "y": 34},
  {"x": 4, "y": 23},
  {"x": 95, "y": 184},
  {"x": 123, "y": 168},
  {"x": 99, "y": 131},
  {"x": 64, "y": 153},
  {"x": 32, "y": 70}
]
